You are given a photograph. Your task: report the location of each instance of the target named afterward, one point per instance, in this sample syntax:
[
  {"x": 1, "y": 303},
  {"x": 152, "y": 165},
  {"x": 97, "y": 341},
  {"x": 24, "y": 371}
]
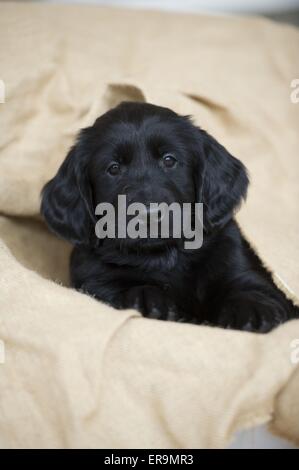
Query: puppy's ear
[
  {"x": 224, "y": 183},
  {"x": 67, "y": 200}
]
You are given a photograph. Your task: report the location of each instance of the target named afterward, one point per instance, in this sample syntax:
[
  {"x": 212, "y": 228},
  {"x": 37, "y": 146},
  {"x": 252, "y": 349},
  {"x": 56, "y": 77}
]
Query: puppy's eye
[
  {"x": 114, "y": 169},
  {"x": 169, "y": 161}
]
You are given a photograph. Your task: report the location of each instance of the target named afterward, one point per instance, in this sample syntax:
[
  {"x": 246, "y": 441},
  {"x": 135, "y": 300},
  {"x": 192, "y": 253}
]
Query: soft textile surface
[{"x": 77, "y": 373}]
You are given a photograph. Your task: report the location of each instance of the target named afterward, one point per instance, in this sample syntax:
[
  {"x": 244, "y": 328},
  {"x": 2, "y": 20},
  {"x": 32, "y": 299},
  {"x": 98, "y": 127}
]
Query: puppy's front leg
[
  {"x": 148, "y": 300},
  {"x": 252, "y": 311},
  {"x": 95, "y": 278},
  {"x": 152, "y": 302},
  {"x": 114, "y": 287}
]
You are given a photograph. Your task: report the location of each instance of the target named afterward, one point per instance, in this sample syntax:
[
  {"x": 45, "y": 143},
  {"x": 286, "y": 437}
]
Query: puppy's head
[{"x": 149, "y": 154}]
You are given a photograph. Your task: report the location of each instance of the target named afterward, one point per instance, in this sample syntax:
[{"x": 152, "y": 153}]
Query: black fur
[{"x": 223, "y": 283}]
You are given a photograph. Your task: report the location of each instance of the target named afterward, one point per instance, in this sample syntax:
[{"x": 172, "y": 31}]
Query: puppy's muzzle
[{"x": 151, "y": 214}]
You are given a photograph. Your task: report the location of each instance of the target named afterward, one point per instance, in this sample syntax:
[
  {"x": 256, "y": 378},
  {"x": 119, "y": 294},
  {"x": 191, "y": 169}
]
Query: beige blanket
[{"x": 76, "y": 373}]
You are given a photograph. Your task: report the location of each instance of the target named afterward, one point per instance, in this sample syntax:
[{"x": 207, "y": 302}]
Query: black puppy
[{"x": 151, "y": 154}]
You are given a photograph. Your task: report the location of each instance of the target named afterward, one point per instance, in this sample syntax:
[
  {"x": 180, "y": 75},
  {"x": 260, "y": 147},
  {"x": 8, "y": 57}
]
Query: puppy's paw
[
  {"x": 152, "y": 302},
  {"x": 256, "y": 313}
]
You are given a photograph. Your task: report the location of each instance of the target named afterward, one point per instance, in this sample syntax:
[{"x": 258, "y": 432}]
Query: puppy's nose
[
  {"x": 155, "y": 214},
  {"x": 151, "y": 214}
]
